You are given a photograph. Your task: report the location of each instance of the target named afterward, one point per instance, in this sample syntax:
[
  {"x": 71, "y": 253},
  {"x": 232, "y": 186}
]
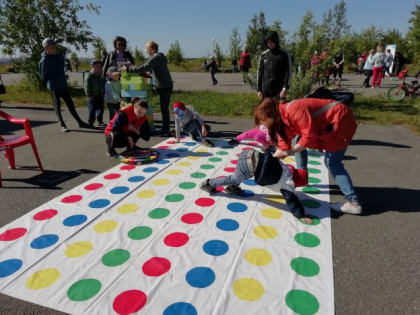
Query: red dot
[
  {"x": 176, "y": 239},
  {"x": 45, "y": 214},
  {"x": 237, "y": 154},
  {"x": 234, "y": 162},
  {"x": 127, "y": 167},
  {"x": 13, "y": 234},
  {"x": 163, "y": 147},
  {"x": 71, "y": 199},
  {"x": 93, "y": 186},
  {"x": 222, "y": 176},
  {"x": 112, "y": 176},
  {"x": 192, "y": 218},
  {"x": 171, "y": 142},
  {"x": 129, "y": 302},
  {"x": 220, "y": 188},
  {"x": 253, "y": 143},
  {"x": 230, "y": 169},
  {"x": 247, "y": 148},
  {"x": 156, "y": 266},
  {"x": 204, "y": 202}
]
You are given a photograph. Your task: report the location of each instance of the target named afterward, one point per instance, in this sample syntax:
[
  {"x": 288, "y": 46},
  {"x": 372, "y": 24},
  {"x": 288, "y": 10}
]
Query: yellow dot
[
  {"x": 265, "y": 232},
  {"x": 106, "y": 226},
  {"x": 289, "y": 160},
  {"x": 272, "y": 213},
  {"x": 161, "y": 182},
  {"x": 276, "y": 198},
  {"x": 185, "y": 164},
  {"x": 144, "y": 194},
  {"x": 42, "y": 279},
  {"x": 248, "y": 289},
  {"x": 78, "y": 249},
  {"x": 193, "y": 157},
  {"x": 128, "y": 208},
  {"x": 258, "y": 257},
  {"x": 173, "y": 172},
  {"x": 202, "y": 150}
]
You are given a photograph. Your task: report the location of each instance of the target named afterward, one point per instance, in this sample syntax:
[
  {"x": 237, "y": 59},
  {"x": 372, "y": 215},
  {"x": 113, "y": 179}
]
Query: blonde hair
[
  {"x": 379, "y": 48},
  {"x": 153, "y": 45},
  {"x": 372, "y": 51}
]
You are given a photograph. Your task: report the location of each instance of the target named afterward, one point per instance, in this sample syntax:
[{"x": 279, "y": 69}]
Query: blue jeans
[
  {"x": 213, "y": 78},
  {"x": 193, "y": 127},
  {"x": 301, "y": 157},
  {"x": 242, "y": 172},
  {"x": 96, "y": 108}
]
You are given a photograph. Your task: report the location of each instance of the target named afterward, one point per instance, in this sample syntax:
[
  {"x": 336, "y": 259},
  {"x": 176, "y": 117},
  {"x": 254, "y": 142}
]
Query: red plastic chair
[{"x": 9, "y": 144}]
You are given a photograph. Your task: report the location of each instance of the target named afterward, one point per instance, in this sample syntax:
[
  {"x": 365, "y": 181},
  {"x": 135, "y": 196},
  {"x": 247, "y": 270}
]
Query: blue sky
[{"x": 195, "y": 23}]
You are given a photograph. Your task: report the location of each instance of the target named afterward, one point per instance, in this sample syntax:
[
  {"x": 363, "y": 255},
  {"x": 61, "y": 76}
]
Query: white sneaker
[{"x": 348, "y": 207}]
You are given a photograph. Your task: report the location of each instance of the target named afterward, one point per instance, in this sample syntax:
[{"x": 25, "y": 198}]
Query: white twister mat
[{"x": 145, "y": 239}]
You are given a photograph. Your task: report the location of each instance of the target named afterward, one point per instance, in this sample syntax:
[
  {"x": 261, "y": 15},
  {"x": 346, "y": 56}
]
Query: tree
[
  {"x": 340, "y": 27},
  {"x": 235, "y": 44},
  {"x": 302, "y": 38},
  {"x": 220, "y": 57},
  {"x": 99, "y": 50},
  {"x": 413, "y": 35},
  {"x": 25, "y": 24},
  {"x": 75, "y": 60},
  {"x": 256, "y": 33},
  {"x": 175, "y": 54},
  {"x": 139, "y": 57}
]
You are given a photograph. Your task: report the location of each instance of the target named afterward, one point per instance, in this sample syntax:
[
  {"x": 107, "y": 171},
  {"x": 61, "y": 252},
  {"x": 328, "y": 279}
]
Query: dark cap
[{"x": 48, "y": 42}]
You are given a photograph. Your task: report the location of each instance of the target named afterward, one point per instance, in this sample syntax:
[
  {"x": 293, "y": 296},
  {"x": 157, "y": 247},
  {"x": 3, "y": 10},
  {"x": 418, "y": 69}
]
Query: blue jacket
[{"x": 51, "y": 69}]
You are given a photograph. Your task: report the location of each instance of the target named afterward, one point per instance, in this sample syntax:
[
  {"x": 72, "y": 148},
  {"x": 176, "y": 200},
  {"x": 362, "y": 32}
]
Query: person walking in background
[
  {"x": 213, "y": 69},
  {"x": 378, "y": 67},
  {"x": 51, "y": 68},
  {"x": 388, "y": 62},
  {"x": 235, "y": 65},
  {"x": 113, "y": 91},
  {"x": 245, "y": 64},
  {"x": 368, "y": 68},
  {"x": 338, "y": 61},
  {"x": 399, "y": 62},
  {"x": 95, "y": 89},
  {"x": 119, "y": 56}
]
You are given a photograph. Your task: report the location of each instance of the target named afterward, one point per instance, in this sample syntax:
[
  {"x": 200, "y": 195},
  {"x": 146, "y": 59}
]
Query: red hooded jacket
[
  {"x": 132, "y": 119},
  {"x": 245, "y": 60}
]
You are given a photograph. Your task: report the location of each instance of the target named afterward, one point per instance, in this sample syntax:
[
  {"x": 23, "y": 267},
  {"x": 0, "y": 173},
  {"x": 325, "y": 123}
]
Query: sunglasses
[{"x": 120, "y": 45}]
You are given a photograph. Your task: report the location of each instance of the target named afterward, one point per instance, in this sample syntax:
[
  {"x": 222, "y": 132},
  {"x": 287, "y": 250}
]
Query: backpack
[
  {"x": 266, "y": 171},
  {"x": 342, "y": 95}
]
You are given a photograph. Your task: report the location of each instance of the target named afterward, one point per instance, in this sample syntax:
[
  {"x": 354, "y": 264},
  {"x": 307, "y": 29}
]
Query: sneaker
[
  {"x": 83, "y": 125},
  {"x": 231, "y": 189},
  {"x": 111, "y": 153},
  {"x": 64, "y": 129},
  {"x": 233, "y": 141},
  {"x": 348, "y": 207},
  {"x": 206, "y": 187},
  {"x": 102, "y": 124},
  {"x": 91, "y": 126},
  {"x": 208, "y": 143}
]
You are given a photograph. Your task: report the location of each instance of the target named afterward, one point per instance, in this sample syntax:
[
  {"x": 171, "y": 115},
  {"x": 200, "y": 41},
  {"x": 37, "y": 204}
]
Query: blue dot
[
  {"x": 44, "y": 241},
  {"x": 9, "y": 267},
  {"x": 119, "y": 190},
  {"x": 162, "y": 162},
  {"x": 75, "y": 220},
  {"x": 180, "y": 308},
  {"x": 172, "y": 155},
  {"x": 237, "y": 207},
  {"x": 99, "y": 203},
  {"x": 250, "y": 182},
  {"x": 227, "y": 225},
  {"x": 190, "y": 144},
  {"x": 246, "y": 193},
  {"x": 215, "y": 248},
  {"x": 182, "y": 149},
  {"x": 150, "y": 169},
  {"x": 200, "y": 277},
  {"x": 135, "y": 179}
]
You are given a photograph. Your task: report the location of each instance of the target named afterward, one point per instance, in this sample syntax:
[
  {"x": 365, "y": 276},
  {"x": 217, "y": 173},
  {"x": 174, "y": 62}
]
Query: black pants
[
  {"x": 165, "y": 98},
  {"x": 120, "y": 139},
  {"x": 368, "y": 74},
  {"x": 65, "y": 95}
]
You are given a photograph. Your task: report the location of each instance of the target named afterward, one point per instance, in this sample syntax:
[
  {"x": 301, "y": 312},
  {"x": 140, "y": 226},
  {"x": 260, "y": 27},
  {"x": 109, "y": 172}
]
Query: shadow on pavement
[
  {"x": 378, "y": 143},
  {"x": 41, "y": 108},
  {"x": 7, "y": 128}
]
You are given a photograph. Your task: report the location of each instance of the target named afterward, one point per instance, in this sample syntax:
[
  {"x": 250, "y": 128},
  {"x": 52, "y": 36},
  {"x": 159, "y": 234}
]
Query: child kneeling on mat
[
  {"x": 268, "y": 171},
  {"x": 127, "y": 126},
  {"x": 188, "y": 120}
]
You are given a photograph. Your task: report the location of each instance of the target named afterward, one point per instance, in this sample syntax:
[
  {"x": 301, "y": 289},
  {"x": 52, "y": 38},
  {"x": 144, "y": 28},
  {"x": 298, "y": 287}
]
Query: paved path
[{"x": 375, "y": 255}]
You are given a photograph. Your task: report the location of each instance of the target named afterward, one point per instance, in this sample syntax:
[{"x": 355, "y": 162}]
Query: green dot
[
  {"x": 139, "y": 233},
  {"x": 159, "y": 213},
  {"x": 222, "y": 153},
  {"x": 83, "y": 290},
  {"x": 187, "y": 185},
  {"x": 314, "y": 162},
  {"x": 309, "y": 203},
  {"x": 315, "y": 220},
  {"x": 198, "y": 175},
  {"x": 174, "y": 198},
  {"x": 311, "y": 190},
  {"x": 313, "y": 180},
  {"x": 302, "y": 302},
  {"x": 215, "y": 159},
  {"x": 314, "y": 170},
  {"x": 305, "y": 267},
  {"x": 206, "y": 166},
  {"x": 115, "y": 257},
  {"x": 307, "y": 239}
]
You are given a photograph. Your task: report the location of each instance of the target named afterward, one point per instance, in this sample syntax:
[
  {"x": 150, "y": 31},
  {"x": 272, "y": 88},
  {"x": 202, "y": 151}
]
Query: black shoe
[
  {"x": 163, "y": 133},
  {"x": 111, "y": 153},
  {"x": 231, "y": 189},
  {"x": 102, "y": 124},
  {"x": 233, "y": 141},
  {"x": 83, "y": 125},
  {"x": 91, "y": 126},
  {"x": 206, "y": 187},
  {"x": 208, "y": 143}
]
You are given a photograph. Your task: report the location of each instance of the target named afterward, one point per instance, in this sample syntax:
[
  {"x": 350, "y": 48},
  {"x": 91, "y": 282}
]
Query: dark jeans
[
  {"x": 193, "y": 127},
  {"x": 113, "y": 108},
  {"x": 120, "y": 139},
  {"x": 65, "y": 95},
  {"x": 96, "y": 108},
  {"x": 165, "y": 98},
  {"x": 213, "y": 79},
  {"x": 368, "y": 74}
]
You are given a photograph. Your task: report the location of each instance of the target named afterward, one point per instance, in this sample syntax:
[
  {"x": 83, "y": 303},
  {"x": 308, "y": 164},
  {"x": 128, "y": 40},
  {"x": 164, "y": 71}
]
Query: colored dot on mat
[
  {"x": 42, "y": 278},
  {"x": 161, "y": 182},
  {"x": 174, "y": 198},
  {"x": 171, "y": 142},
  {"x": 227, "y": 146},
  {"x": 163, "y": 147},
  {"x": 99, "y": 203},
  {"x": 182, "y": 149},
  {"x": 215, "y": 159},
  {"x": 247, "y": 149},
  {"x": 45, "y": 215},
  {"x": 180, "y": 308},
  {"x": 202, "y": 150},
  {"x": 172, "y": 155},
  {"x": 250, "y": 182},
  {"x": 309, "y": 203},
  {"x": 258, "y": 256},
  {"x": 229, "y": 169},
  {"x": 207, "y": 166},
  {"x": 129, "y": 302},
  {"x": 187, "y": 185},
  {"x": 313, "y": 180},
  {"x": 248, "y": 289},
  {"x": 289, "y": 160},
  {"x": 75, "y": 220},
  {"x": 78, "y": 249},
  {"x": 128, "y": 208},
  {"x": 314, "y": 162},
  {"x": 312, "y": 170},
  {"x": 12, "y": 234},
  {"x": 222, "y": 153},
  {"x": 198, "y": 175},
  {"x": 216, "y": 248},
  {"x": 220, "y": 189},
  {"x": 162, "y": 162},
  {"x": 71, "y": 199},
  {"x": 112, "y": 176},
  {"x": 159, "y": 213},
  {"x": 106, "y": 226},
  {"x": 272, "y": 213},
  {"x": 173, "y": 172},
  {"x": 9, "y": 267},
  {"x": 204, "y": 202},
  {"x": 139, "y": 233},
  {"x": 311, "y": 190},
  {"x": 115, "y": 257},
  {"x": 246, "y": 193},
  {"x": 193, "y": 157},
  {"x": 192, "y": 218},
  {"x": 144, "y": 194},
  {"x": 184, "y": 164},
  {"x": 44, "y": 241},
  {"x": 307, "y": 240},
  {"x": 315, "y": 220},
  {"x": 176, "y": 239},
  {"x": 276, "y": 198},
  {"x": 302, "y": 302},
  {"x": 84, "y": 289},
  {"x": 227, "y": 225},
  {"x": 237, "y": 207},
  {"x": 150, "y": 169},
  {"x": 190, "y": 144},
  {"x": 135, "y": 179},
  {"x": 265, "y": 232},
  {"x": 156, "y": 266},
  {"x": 234, "y": 162},
  {"x": 93, "y": 186},
  {"x": 127, "y": 167},
  {"x": 119, "y": 190},
  {"x": 200, "y": 277},
  {"x": 305, "y": 267}
]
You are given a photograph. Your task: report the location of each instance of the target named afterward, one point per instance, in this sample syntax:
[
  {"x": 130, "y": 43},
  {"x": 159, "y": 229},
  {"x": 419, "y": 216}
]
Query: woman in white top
[
  {"x": 378, "y": 66},
  {"x": 368, "y": 68}
]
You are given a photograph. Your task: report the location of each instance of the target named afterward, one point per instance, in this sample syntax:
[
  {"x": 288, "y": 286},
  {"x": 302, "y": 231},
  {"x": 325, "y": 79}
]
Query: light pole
[{"x": 213, "y": 41}]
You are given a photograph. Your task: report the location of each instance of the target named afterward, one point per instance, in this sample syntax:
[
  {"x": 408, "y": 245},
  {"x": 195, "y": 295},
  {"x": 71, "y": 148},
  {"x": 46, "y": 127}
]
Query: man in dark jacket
[
  {"x": 51, "y": 68},
  {"x": 274, "y": 69}
]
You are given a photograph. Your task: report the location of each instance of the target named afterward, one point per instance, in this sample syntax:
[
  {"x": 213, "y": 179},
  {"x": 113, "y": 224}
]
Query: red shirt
[{"x": 132, "y": 119}]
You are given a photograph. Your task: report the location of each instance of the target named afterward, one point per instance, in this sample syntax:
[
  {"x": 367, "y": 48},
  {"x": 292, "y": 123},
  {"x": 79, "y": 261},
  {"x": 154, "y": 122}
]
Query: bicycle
[{"x": 398, "y": 93}]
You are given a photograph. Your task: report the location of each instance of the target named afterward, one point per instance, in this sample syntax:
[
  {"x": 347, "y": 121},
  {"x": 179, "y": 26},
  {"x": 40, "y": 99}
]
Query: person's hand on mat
[
  {"x": 281, "y": 153},
  {"x": 130, "y": 143},
  {"x": 259, "y": 94},
  {"x": 306, "y": 220}
]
